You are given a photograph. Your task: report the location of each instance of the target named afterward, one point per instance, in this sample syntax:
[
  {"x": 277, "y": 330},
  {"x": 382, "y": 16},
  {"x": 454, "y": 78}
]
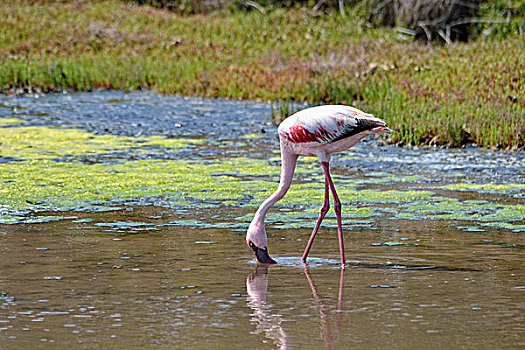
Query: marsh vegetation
[{"x": 432, "y": 93}]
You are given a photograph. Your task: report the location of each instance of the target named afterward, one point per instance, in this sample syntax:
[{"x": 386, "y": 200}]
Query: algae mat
[{"x": 212, "y": 162}]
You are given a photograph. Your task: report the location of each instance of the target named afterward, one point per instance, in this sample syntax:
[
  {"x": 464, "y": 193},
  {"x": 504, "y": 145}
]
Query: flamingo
[{"x": 316, "y": 131}]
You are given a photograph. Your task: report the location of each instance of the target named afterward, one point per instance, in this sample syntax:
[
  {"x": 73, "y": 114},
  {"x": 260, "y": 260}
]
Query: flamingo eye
[{"x": 251, "y": 244}]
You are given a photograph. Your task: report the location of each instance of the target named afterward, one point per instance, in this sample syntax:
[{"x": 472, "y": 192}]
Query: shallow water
[{"x": 437, "y": 262}]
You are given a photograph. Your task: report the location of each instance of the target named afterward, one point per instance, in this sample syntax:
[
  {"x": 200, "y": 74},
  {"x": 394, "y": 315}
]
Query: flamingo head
[
  {"x": 258, "y": 242},
  {"x": 261, "y": 254}
]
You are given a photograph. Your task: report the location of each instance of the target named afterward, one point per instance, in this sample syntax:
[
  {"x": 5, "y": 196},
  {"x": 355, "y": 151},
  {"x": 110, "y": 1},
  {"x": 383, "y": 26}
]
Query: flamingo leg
[
  {"x": 337, "y": 209},
  {"x": 322, "y": 213}
]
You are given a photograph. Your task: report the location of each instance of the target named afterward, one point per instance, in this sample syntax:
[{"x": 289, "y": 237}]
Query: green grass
[{"x": 464, "y": 93}]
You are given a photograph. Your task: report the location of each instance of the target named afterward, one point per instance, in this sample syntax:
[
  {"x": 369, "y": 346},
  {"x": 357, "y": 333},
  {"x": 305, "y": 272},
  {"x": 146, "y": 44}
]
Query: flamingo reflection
[
  {"x": 271, "y": 323},
  {"x": 268, "y": 322},
  {"x": 324, "y": 311}
]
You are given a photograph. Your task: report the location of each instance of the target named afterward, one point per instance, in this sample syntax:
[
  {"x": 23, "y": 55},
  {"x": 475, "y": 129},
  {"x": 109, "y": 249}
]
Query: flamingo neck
[{"x": 288, "y": 162}]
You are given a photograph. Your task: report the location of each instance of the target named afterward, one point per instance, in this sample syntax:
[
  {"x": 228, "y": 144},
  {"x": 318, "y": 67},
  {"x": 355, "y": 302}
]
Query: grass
[{"x": 437, "y": 95}]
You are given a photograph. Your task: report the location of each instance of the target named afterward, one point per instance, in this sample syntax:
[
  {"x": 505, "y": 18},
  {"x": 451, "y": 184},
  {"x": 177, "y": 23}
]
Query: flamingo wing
[{"x": 326, "y": 124}]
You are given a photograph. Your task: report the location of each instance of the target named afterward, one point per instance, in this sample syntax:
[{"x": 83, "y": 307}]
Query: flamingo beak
[{"x": 262, "y": 255}]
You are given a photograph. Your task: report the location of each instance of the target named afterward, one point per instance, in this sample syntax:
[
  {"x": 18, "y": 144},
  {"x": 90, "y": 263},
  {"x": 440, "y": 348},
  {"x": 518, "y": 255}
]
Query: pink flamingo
[{"x": 317, "y": 131}]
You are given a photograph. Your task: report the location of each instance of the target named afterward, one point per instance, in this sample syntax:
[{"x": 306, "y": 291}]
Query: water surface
[{"x": 156, "y": 258}]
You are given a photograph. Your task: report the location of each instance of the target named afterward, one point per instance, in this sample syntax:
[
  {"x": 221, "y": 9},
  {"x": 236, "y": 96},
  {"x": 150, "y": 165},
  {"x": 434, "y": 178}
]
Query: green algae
[
  {"x": 486, "y": 213},
  {"x": 471, "y": 228},
  {"x": 50, "y": 176},
  {"x": 126, "y": 226},
  {"x": 252, "y": 136},
  {"x": 10, "y": 121},
  {"x": 505, "y": 225},
  {"x": 83, "y": 221},
  {"x": 42, "y": 142}
]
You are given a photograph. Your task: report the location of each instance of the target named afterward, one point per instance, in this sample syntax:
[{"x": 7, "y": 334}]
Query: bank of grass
[{"x": 464, "y": 93}]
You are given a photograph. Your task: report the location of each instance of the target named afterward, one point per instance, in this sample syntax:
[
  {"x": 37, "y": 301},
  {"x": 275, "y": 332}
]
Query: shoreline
[{"x": 384, "y": 141}]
